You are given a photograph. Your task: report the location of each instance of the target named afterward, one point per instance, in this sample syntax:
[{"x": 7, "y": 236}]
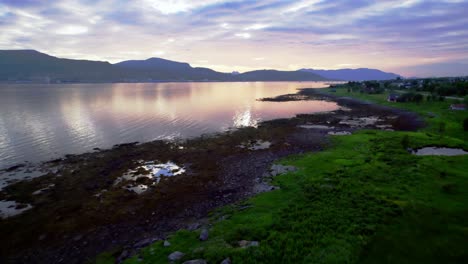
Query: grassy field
[
  {"x": 434, "y": 113},
  {"x": 365, "y": 199}
]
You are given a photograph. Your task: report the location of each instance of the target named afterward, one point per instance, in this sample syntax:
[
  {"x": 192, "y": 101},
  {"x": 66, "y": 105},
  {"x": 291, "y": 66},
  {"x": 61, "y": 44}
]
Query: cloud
[
  {"x": 243, "y": 35},
  {"x": 72, "y": 30},
  {"x": 387, "y": 34}
]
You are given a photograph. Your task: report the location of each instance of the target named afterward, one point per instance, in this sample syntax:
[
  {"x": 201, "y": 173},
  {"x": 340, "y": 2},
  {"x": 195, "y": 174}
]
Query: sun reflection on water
[{"x": 244, "y": 118}]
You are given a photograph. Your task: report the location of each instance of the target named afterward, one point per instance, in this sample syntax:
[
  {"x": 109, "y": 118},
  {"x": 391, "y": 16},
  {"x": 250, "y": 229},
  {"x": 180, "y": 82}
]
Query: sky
[{"x": 408, "y": 37}]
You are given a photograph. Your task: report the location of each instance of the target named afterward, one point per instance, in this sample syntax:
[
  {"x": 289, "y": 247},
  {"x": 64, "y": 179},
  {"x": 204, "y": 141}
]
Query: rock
[
  {"x": 143, "y": 243},
  {"x": 195, "y": 261},
  {"x": 226, "y": 261},
  {"x": 277, "y": 169},
  {"x": 246, "y": 243},
  {"x": 125, "y": 254},
  {"x": 174, "y": 256},
  {"x": 166, "y": 243},
  {"x": 77, "y": 237},
  {"x": 204, "y": 235},
  {"x": 243, "y": 243},
  {"x": 193, "y": 226}
]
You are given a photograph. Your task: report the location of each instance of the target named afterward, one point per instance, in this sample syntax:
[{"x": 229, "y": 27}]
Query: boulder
[
  {"x": 204, "y": 235},
  {"x": 195, "y": 261},
  {"x": 226, "y": 261},
  {"x": 143, "y": 243},
  {"x": 174, "y": 256},
  {"x": 277, "y": 169},
  {"x": 246, "y": 243}
]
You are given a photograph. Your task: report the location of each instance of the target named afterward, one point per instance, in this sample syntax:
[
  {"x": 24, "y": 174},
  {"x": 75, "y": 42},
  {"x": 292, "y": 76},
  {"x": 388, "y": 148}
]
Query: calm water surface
[{"x": 41, "y": 122}]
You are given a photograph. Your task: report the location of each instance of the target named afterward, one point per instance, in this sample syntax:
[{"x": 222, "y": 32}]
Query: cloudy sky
[{"x": 409, "y": 37}]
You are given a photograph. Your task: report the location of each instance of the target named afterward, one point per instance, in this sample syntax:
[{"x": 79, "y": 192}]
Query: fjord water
[{"x": 42, "y": 122}]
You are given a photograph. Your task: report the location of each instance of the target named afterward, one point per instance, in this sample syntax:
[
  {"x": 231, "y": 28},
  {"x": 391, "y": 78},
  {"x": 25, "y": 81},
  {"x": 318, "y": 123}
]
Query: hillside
[
  {"x": 273, "y": 75},
  {"x": 34, "y": 66},
  {"x": 31, "y": 65},
  {"x": 362, "y": 74}
]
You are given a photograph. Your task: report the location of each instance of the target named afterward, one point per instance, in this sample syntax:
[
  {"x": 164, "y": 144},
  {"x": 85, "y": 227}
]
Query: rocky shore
[{"x": 79, "y": 208}]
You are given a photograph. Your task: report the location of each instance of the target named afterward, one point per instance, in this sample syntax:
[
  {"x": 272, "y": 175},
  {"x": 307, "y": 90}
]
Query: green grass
[
  {"x": 364, "y": 199},
  {"x": 453, "y": 119}
]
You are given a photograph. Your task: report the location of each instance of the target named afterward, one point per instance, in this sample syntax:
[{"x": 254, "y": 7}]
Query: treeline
[
  {"x": 410, "y": 97},
  {"x": 457, "y": 87},
  {"x": 435, "y": 86}
]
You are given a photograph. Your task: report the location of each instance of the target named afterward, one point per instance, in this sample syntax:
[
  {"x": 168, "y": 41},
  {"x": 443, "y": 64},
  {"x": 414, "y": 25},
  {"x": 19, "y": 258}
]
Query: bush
[
  {"x": 410, "y": 97},
  {"x": 465, "y": 124}
]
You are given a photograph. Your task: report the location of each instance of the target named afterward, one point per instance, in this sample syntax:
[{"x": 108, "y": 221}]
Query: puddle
[
  {"x": 346, "y": 109},
  {"x": 360, "y": 122},
  {"x": 151, "y": 171},
  {"x": 40, "y": 191},
  {"x": 385, "y": 127},
  {"x": 256, "y": 145},
  {"x": 316, "y": 127},
  {"x": 12, "y": 208},
  {"x": 26, "y": 172},
  {"x": 138, "y": 189},
  {"x": 101, "y": 193},
  {"x": 339, "y": 133},
  {"x": 435, "y": 151}
]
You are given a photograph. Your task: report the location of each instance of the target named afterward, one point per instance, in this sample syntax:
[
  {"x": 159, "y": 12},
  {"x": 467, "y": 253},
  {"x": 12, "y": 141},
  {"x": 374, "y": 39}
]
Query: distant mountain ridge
[
  {"x": 154, "y": 63},
  {"x": 34, "y": 66},
  {"x": 361, "y": 74}
]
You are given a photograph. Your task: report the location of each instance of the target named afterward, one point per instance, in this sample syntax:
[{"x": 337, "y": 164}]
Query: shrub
[{"x": 410, "y": 97}]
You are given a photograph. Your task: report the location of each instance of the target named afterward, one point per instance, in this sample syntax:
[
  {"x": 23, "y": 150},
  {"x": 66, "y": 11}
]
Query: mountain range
[
  {"x": 361, "y": 74},
  {"x": 34, "y": 66}
]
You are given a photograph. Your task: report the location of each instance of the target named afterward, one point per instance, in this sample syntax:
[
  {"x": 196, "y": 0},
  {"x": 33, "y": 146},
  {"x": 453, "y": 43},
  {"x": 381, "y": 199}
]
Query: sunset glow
[{"x": 412, "y": 38}]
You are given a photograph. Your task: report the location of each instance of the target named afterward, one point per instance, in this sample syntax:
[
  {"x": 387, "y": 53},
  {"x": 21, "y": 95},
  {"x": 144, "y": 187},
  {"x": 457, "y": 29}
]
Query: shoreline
[
  {"x": 206, "y": 185},
  {"x": 171, "y": 81}
]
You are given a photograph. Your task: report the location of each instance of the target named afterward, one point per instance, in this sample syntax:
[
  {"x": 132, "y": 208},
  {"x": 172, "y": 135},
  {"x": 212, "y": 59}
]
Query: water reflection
[
  {"x": 244, "y": 118},
  {"x": 41, "y": 122}
]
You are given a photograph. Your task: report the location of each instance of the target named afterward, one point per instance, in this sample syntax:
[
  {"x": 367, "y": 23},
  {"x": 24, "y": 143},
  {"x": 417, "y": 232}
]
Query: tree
[{"x": 418, "y": 98}]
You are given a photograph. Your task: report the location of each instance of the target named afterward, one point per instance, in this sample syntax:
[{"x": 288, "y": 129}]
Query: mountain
[
  {"x": 34, "y": 66},
  {"x": 274, "y": 75},
  {"x": 161, "y": 69},
  {"x": 362, "y": 74},
  {"x": 31, "y": 65},
  {"x": 154, "y": 64}
]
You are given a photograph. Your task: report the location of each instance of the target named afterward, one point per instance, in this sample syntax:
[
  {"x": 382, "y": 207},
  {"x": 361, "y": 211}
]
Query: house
[
  {"x": 393, "y": 97},
  {"x": 458, "y": 107}
]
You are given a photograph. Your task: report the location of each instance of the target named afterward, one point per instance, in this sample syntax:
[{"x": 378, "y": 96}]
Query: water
[
  {"x": 42, "y": 122},
  {"x": 435, "y": 151}
]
